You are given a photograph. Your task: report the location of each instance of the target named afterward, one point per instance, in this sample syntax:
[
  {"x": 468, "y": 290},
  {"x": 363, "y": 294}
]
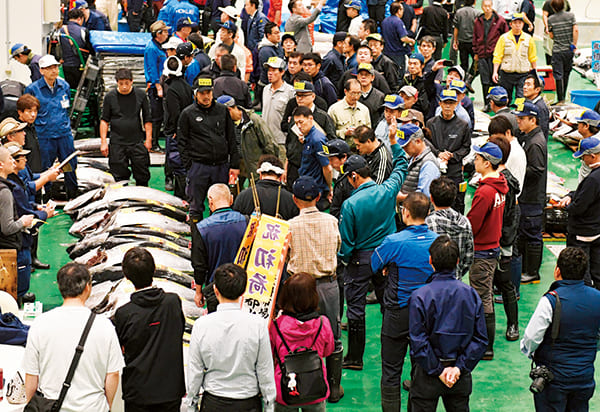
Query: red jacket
[
  {"x": 487, "y": 212},
  {"x": 485, "y": 47}
]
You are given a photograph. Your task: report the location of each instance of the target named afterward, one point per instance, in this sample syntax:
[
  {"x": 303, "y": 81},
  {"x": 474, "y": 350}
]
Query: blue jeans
[
  {"x": 62, "y": 147},
  {"x": 555, "y": 399},
  {"x": 23, "y": 271}
]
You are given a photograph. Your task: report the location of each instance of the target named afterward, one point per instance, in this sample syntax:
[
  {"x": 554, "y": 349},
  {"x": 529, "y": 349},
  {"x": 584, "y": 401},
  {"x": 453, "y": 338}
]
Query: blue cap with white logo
[
  {"x": 589, "y": 145},
  {"x": 589, "y": 117},
  {"x": 408, "y": 132},
  {"x": 393, "y": 101},
  {"x": 490, "y": 151}
]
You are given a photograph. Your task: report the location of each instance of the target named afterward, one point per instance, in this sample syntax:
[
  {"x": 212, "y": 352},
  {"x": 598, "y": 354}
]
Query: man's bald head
[
  {"x": 4, "y": 154},
  {"x": 7, "y": 164},
  {"x": 219, "y": 197}
]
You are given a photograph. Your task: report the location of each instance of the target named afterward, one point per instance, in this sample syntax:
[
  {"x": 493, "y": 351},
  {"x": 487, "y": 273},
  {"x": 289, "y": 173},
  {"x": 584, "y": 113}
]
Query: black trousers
[
  {"x": 512, "y": 81},
  {"x": 425, "y": 392},
  {"x": 465, "y": 51},
  {"x": 394, "y": 344},
  {"x": 377, "y": 13},
  {"x": 173, "y": 406},
  {"x": 199, "y": 178},
  {"x": 121, "y": 157},
  {"x": 592, "y": 249},
  {"x": 72, "y": 75},
  {"x": 212, "y": 403},
  {"x": 134, "y": 21}
]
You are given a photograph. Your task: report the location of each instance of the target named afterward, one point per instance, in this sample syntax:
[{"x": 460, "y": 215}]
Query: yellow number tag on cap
[
  {"x": 272, "y": 59},
  {"x": 400, "y": 134},
  {"x": 205, "y": 82},
  {"x": 299, "y": 86},
  {"x": 449, "y": 93},
  {"x": 390, "y": 98},
  {"x": 325, "y": 149},
  {"x": 404, "y": 113}
]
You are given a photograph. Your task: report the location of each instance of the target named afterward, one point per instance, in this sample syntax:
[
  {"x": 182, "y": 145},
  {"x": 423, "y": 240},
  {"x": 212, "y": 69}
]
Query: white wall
[{"x": 27, "y": 22}]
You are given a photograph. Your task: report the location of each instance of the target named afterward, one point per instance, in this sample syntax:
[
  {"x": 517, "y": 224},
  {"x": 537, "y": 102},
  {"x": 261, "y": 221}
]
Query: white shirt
[
  {"x": 355, "y": 25},
  {"x": 517, "y": 162},
  {"x": 237, "y": 51},
  {"x": 274, "y": 103},
  {"x": 230, "y": 356},
  {"x": 17, "y": 71},
  {"x": 51, "y": 345}
]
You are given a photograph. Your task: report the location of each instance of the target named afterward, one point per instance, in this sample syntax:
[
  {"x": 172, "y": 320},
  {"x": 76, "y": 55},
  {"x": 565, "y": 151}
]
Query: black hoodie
[{"x": 150, "y": 330}]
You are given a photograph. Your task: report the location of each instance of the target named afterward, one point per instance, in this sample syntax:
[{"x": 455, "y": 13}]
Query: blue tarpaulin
[{"x": 119, "y": 42}]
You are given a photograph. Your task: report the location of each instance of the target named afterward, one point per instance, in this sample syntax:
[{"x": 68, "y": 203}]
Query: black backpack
[{"x": 302, "y": 378}]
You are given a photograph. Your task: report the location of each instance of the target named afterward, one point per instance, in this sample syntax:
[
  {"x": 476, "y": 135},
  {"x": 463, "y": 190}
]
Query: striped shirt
[
  {"x": 561, "y": 25},
  {"x": 380, "y": 163}
]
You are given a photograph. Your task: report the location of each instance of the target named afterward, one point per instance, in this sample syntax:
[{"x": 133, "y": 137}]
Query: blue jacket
[
  {"x": 255, "y": 30},
  {"x": 154, "y": 60},
  {"x": 312, "y": 162},
  {"x": 406, "y": 254},
  {"x": 176, "y": 10},
  {"x": 53, "y": 117},
  {"x": 192, "y": 71},
  {"x": 81, "y": 37},
  {"x": 572, "y": 357},
  {"x": 24, "y": 207},
  {"x": 393, "y": 30},
  {"x": 324, "y": 88},
  {"x": 333, "y": 65},
  {"x": 97, "y": 21},
  {"x": 266, "y": 49},
  {"x": 216, "y": 241},
  {"x": 364, "y": 226},
  {"x": 446, "y": 321},
  {"x": 28, "y": 178}
]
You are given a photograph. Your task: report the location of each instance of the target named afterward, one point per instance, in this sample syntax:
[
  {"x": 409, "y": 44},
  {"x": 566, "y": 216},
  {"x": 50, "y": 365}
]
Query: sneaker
[
  {"x": 352, "y": 364},
  {"x": 526, "y": 279},
  {"x": 488, "y": 355},
  {"x": 169, "y": 185},
  {"x": 498, "y": 299},
  {"x": 512, "y": 333}
]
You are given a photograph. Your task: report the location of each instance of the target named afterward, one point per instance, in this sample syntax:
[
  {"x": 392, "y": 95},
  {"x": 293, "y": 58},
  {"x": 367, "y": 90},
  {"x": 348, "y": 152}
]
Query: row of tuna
[{"x": 111, "y": 220}]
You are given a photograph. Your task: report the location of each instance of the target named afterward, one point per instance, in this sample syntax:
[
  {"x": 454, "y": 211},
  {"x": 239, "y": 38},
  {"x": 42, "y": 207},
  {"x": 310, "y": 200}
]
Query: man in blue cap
[
  {"x": 588, "y": 125},
  {"x": 533, "y": 193},
  {"x": 464, "y": 112},
  {"x": 414, "y": 78},
  {"x": 25, "y": 56},
  {"x": 497, "y": 98},
  {"x": 314, "y": 242},
  {"x": 451, "y": 142},
  {"x": 584, "y": 215},
  {"x": 392, "y": 107},
  {"x": 312, "y": 163},
  {"x": 486, "y": 217},
  {"x": 353, "y": 13},
  {"x": 227, "y": 34},
  {"x": 184, "y": 28},
  {"x": 338, "y": 152},
  {"x": 403, "y": 258},
  {"x": 363, "y": 228},
  {"x": 514, "y": 57},
  {"x": 533, "y": 86},
  {"x": 423, "y": 165},
  {"x": 93, "y": 19}
]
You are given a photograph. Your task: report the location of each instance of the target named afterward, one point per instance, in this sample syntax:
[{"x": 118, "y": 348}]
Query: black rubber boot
[
  {"x": 35, "y": 262},
  {"x": 468, "y": 81},
  {"x": 534, "y": 261},
  {"x": 560, "y": 90},
  {"x": 390, "y": 398},
  {"x": 512, "y": 314},
  {"x": 490, "y": 325},
  {"x": 334, "y": 375},
  {"x": 356, "y": 345}
]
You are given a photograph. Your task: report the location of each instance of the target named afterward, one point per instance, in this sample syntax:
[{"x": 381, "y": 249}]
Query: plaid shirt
[
  {"x": 451, "y": 223},
  {"x": 314, "y": 243}
]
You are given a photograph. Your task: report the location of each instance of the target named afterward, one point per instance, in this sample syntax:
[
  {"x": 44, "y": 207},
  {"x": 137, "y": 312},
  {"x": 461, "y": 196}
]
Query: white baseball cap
[
  {"x": 173, "y": 42},
  {"x": 47, "y": 61}
]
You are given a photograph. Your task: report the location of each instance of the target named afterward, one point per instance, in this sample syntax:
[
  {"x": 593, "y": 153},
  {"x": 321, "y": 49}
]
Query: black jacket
[
  {"x": 534, "y": 185},
  {"x": 422, "y": 103},
  {"x": 324, "y": 88},
  {"x": 434, "y": 22},
  {"x": 374, "y": 102},
  {"x": 179, "y": 96},
  {"x": 342, "y": 190},
  {"x": 512, "y": 212},
  {"x": 379, "y": 83},
  {"x": 584, "y": 213},
  {"x": 150, "y": 330},
  {"x": 207, "y": 135},
  {"x": 34, "y": 158},
  {"x": 230, "y": 84},
  {"x": 454, "y": 136},
  {"x": 388, "y": 68},
  {"x": 267, "y": 195},
  {"x": 380, "y": 163},
  {"x": 333, "y": 65}
]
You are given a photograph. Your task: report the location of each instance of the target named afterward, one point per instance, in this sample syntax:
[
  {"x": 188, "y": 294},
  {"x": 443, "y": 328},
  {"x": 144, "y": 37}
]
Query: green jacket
[
  {"x": 256, "y": 140},
  {"x": 367, "y": 216}
]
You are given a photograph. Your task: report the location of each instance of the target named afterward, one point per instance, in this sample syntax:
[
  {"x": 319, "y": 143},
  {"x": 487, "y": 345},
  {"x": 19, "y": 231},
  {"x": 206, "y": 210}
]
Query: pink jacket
[{"x": 296, "y": 334}]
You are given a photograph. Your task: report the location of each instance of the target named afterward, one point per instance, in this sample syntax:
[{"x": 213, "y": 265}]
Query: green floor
[{"x": 499, "y": 385}]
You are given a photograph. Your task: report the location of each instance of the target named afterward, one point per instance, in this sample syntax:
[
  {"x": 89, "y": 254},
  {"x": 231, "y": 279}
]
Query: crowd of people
[{"x": 378, "y": 131}]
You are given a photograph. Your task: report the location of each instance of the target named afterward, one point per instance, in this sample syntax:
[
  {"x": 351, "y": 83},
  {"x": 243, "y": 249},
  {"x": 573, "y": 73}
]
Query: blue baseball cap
[
  {"x": 408, "y": 132},
  {"x": 306, "y": 188},
  {"x": 589, "y": 145},
  {"x": 230, "y": 25},
  {"x": 458, "y": 85},
  {"x": 81, "y": 4},
  {"x": 393, "y": 101},
  {"x": 518, "y": 16},
  {"x": 589, "y": 117},
  {"x": 525, "y": 108},
  {"x": 18, "y": 48},
  {"x": 185, "y": 22},
  {"x": 355, "y": 4},
  {"x": 335, "y": 147},
  {"x": 490, "y": 151},
  {"x": 448, "y": 94},
  {"x": 497, "y": 94},
  {"x": 226, "y": 100},
  {"x": 353, "y": 163},
  {"x": 303, "y": 86},
  {"x": 417, "y": 56}
]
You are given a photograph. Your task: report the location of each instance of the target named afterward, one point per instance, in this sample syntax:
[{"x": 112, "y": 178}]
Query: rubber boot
[
  {"x": 390, "y": 398},
  {"x": 560, "y": 90},
  {"x": 356, "y": 345},
  {"x": 35, "y": 262},
  {"x": 490, "y": 325},
  {"x": 155, "y": 134},
  {"x": 511, "y": 308},
  {"x": 516, "y": 267},
  {"x": 468, "y": 81},
  {"x": 334, "y": 376},
  {"x": 534, "y": 261}
]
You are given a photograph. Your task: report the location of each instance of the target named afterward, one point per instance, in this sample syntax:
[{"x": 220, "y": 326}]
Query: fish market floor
[{"x": 499, "y": 385}]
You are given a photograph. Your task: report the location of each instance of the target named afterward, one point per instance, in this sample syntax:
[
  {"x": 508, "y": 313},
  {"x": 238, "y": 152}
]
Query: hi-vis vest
[{"x": 516, "y": 56}]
